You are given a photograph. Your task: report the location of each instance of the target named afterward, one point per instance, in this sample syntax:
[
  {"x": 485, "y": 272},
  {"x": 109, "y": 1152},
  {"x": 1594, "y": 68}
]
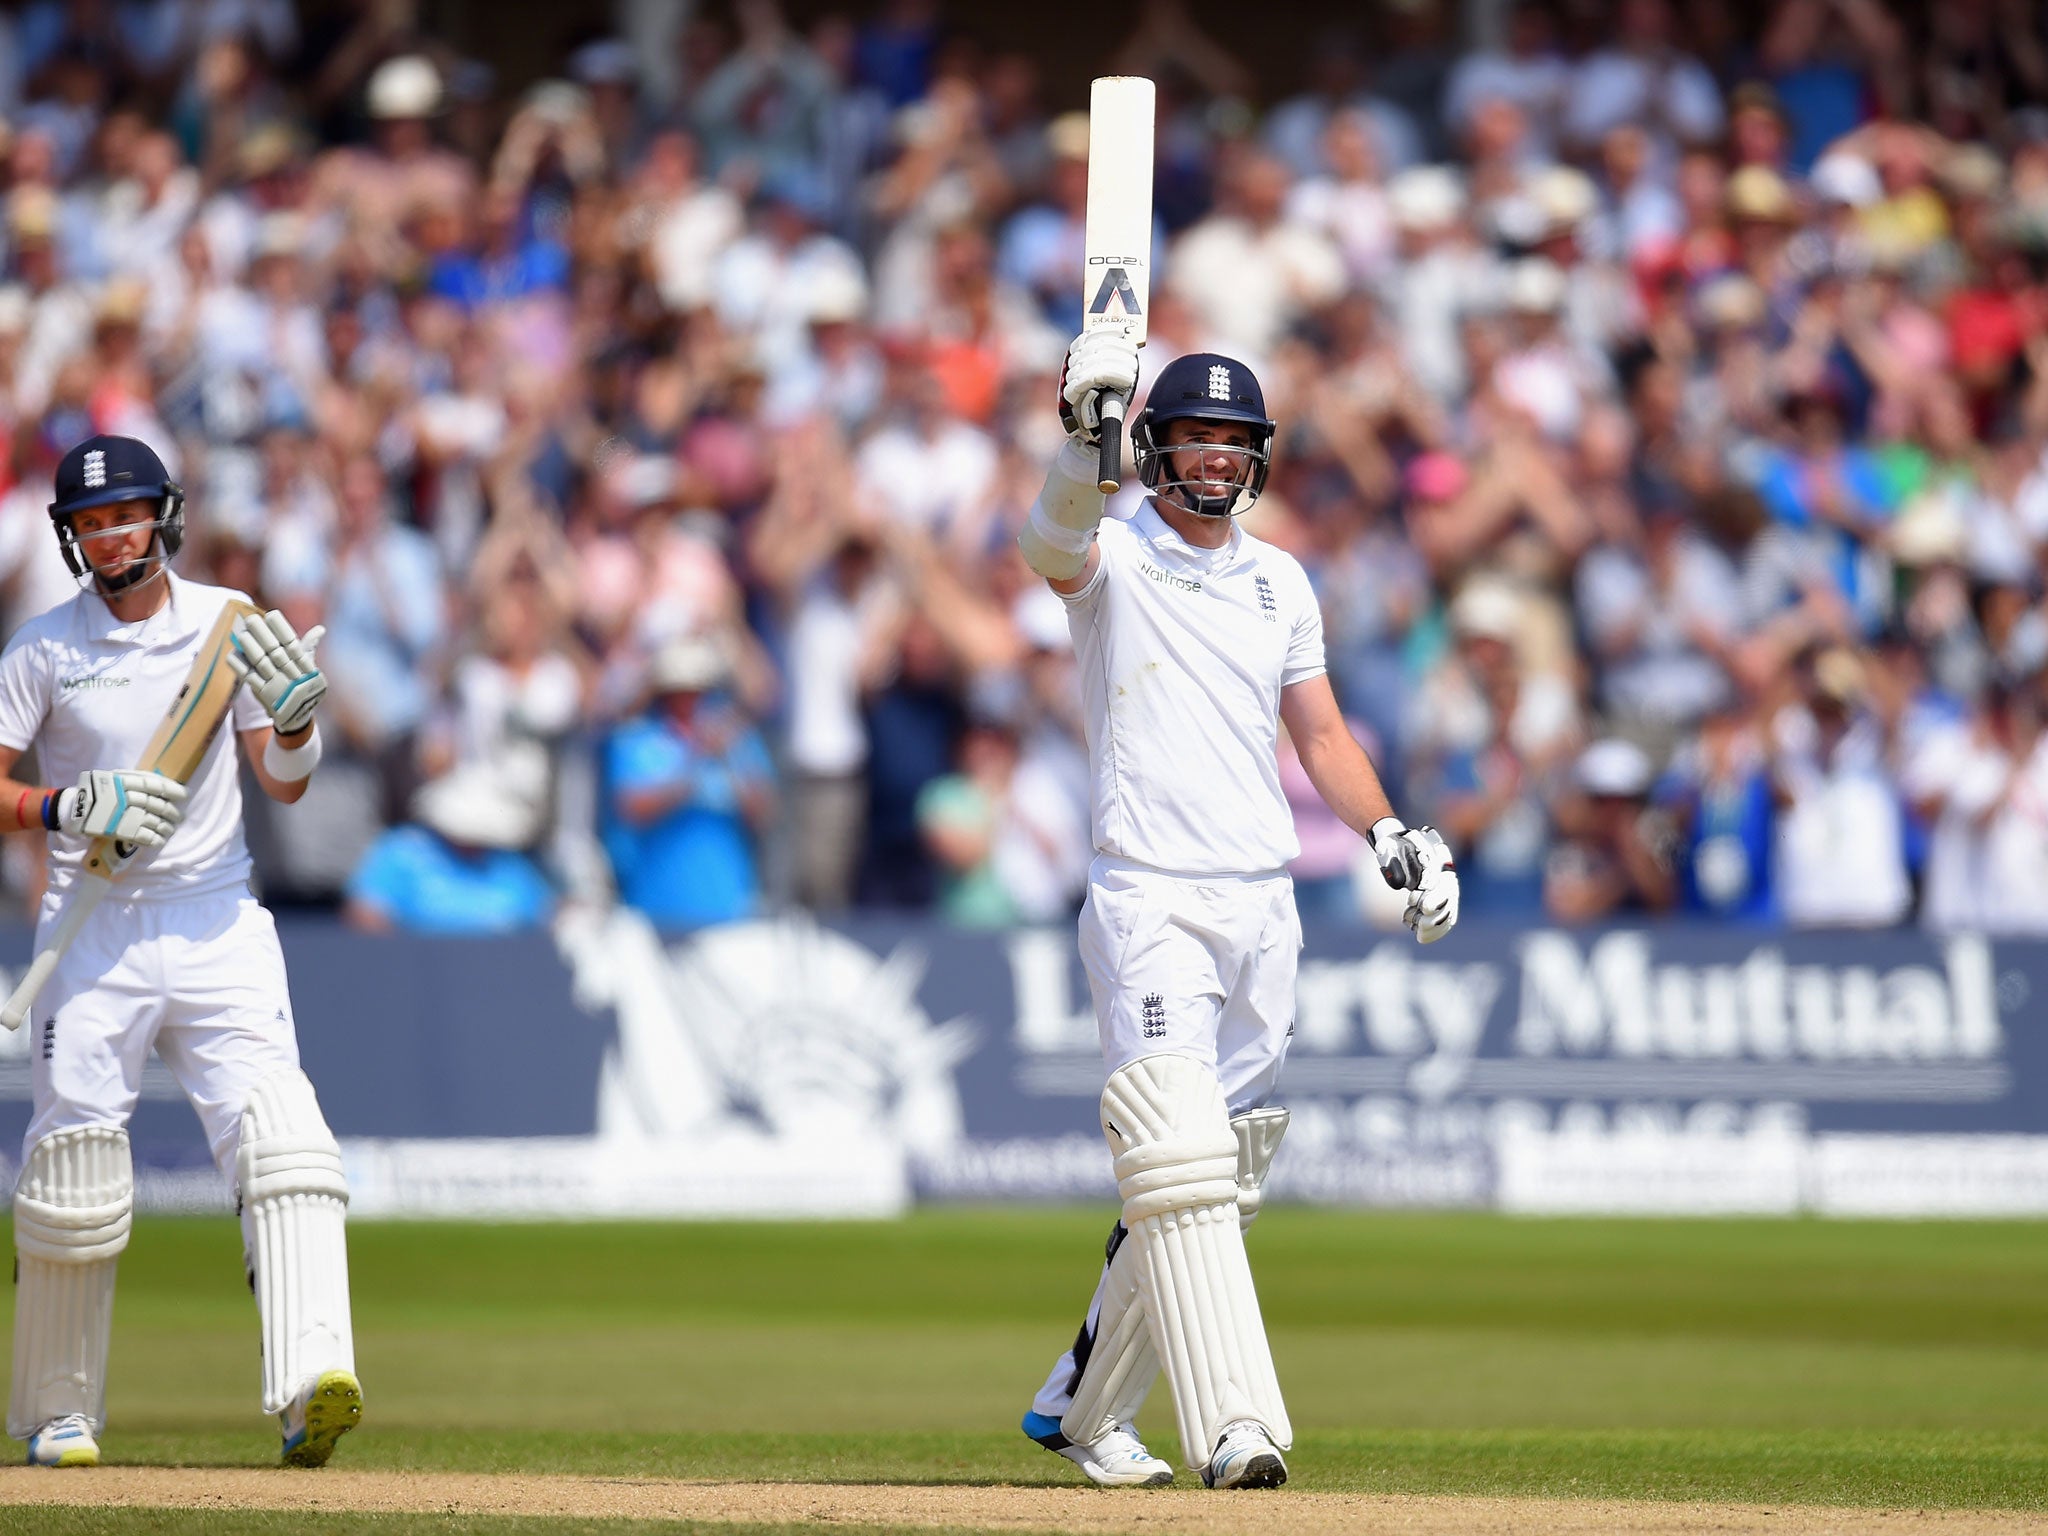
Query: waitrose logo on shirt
[
  {"x": 1167, "y": 579},
  {"x": 69, "y": 684}
]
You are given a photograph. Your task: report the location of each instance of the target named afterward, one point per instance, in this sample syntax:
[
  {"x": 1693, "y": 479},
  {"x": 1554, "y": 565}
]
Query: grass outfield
[{"x": 1810, "y": 1362}]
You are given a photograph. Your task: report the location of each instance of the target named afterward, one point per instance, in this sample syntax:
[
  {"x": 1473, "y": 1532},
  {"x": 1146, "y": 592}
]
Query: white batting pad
[
  {"x": 295, "y": 1202},
  {"x": 1121, "y": 1364},
  {"x": 1176, "y": 1167},
  {"x": 72, "y": 1210}
]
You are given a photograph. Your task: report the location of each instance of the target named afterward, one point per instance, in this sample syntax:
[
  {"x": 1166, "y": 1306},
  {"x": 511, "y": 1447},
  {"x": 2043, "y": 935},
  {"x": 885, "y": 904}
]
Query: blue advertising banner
[{"x": 782, "y": 1067}]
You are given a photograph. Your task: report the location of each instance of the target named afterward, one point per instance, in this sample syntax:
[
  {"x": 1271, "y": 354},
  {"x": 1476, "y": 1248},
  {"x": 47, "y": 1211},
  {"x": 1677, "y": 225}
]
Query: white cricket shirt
[
  {"x": 90, "y": 691},
  {"x": 1182, "y": 653}
]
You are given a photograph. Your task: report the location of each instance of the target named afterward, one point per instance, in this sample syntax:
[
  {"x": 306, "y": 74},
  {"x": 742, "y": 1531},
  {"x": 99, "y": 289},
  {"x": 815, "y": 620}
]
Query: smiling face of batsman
[{"x": 1204, "y": 444}]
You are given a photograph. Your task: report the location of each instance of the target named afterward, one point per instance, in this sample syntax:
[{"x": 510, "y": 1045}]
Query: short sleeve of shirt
[
  {"x": 24, "y": 692},
  {"x": 1105, "y": 540},
  {"x": 1305, "y": 642}
]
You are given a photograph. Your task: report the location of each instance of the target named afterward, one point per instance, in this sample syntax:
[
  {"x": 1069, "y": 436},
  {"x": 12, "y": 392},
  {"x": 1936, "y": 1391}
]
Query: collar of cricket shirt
[
  {"x": 160, "y": 628},
  {"x": 1161, "y": 534}
]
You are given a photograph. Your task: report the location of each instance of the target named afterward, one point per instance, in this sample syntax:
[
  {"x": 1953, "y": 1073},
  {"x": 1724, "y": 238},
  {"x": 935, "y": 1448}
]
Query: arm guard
[{"x": 1056, "y": 537}]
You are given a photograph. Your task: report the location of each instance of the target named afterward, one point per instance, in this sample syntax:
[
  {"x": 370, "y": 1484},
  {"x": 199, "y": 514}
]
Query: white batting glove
[
  {"x": 1098, "y": 361},
  {"x": 1433, "y": 907},
  {"x": 1402, "y": 850},
  {"x": 130, "y": 805},
  {"x": 268, "y": 655},
  {"x": 1418, "y": 860}
]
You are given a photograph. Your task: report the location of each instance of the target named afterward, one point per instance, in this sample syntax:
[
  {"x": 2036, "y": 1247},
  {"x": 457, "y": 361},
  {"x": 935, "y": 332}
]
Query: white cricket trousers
[
  {"x": 200, "y": 978},
  {"x": 1185, "y": 965}
]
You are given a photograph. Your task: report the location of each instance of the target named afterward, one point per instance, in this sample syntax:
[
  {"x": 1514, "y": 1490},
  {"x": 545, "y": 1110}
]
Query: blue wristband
[{"x": 50, "y": 823}]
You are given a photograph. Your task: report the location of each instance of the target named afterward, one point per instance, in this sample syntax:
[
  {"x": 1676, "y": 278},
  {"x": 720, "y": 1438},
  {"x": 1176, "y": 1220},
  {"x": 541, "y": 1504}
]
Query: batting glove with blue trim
[
  {"x": 268, "y": 655},
  {"x": 130, "y": 805}
]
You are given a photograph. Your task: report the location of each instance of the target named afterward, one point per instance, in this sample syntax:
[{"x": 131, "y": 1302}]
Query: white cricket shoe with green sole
[
  {"x": 320, "y": 1416},
  {"x": 65, "y": 1442}
]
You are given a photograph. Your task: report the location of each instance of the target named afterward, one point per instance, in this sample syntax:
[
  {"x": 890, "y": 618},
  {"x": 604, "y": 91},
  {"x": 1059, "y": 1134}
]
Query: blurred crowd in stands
[{"x": 1662, "y": 402}]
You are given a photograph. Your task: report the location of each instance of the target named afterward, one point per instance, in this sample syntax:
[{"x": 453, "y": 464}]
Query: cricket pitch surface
[{"x": 1181, "y": 1512}]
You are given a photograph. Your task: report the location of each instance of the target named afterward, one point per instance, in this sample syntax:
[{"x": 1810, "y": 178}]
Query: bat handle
[
  {"x": 1109, "y": 462},
  {"x": 88, "y": 895}
]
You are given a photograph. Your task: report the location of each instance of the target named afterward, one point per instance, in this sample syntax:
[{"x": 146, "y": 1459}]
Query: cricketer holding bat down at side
[
  {"x": 1192, "y": 638},
  {"x": 178, "y": 956}
]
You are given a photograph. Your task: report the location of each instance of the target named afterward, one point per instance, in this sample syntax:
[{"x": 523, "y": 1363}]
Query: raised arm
[{"x": 1059, "y": 539}]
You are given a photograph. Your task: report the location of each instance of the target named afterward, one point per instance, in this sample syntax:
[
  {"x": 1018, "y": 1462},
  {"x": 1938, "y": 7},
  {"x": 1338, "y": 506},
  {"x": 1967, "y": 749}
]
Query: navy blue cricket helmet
[
  {"x": 102, "y": 471},
  {"x": 1204, "y": 386}
]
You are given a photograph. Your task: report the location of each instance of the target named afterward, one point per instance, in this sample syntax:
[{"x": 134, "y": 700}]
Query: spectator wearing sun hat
[
  {"x": 688, "y": 787},
  {"x": 1840, "y": 859},
  {"x": 1487, "y": 734},
  {"x": 459, "y": 867},
  {"x": 1616, "y": 855}
]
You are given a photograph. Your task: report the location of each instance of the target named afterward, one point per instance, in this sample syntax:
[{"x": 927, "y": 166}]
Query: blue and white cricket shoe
[
  {"x": 319, "y": 1416},
  {"x": 65, "y": 1442},
  {"x": 1246, "y": 1457},
  {"x": 1118, "y": 1460}
]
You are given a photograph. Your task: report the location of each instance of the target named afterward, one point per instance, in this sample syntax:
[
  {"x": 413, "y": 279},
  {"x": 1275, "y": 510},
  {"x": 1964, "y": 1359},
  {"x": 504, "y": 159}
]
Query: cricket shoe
[
  {"x": 65, "y": 1442},
  {"x": 319, "y": 1416},
  {"x": 1118, "y": 1460},
  {"x": 1246, "y": 1457}
]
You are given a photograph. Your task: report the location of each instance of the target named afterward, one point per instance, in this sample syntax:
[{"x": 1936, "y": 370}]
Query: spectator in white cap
[
  {"x": 459, "y": 867},
  {"x": 688, "y": 789},
  {"x": 1617, "y": 855},
  {"x": 1543, "y": 375},
  {"x": 1440, "y": 274},
  {"x": 1841, "y": 856},
  {"x": 377, "y": 189},
  {"x": 757, "y": 280},
  {"x": 1486, "y": 735},
  {"x": 838, "y": 375}
]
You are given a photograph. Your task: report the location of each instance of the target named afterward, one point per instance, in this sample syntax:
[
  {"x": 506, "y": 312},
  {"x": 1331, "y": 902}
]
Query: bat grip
[
  {"x": 88, "y": 896},
  {"x": 1109, "y": 461}
]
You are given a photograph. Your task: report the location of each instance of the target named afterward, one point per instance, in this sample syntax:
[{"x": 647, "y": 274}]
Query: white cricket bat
[
  {"x": 176, "y": 751},
  {"x": 1117, "y": 285}
]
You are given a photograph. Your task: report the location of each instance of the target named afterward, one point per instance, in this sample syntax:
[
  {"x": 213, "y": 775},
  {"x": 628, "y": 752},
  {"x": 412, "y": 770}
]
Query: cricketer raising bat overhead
[
  {"x": 1117, "y": 283},
  {"x": 149, "y": 938},
  {"x": 1193, "y": 641}
]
